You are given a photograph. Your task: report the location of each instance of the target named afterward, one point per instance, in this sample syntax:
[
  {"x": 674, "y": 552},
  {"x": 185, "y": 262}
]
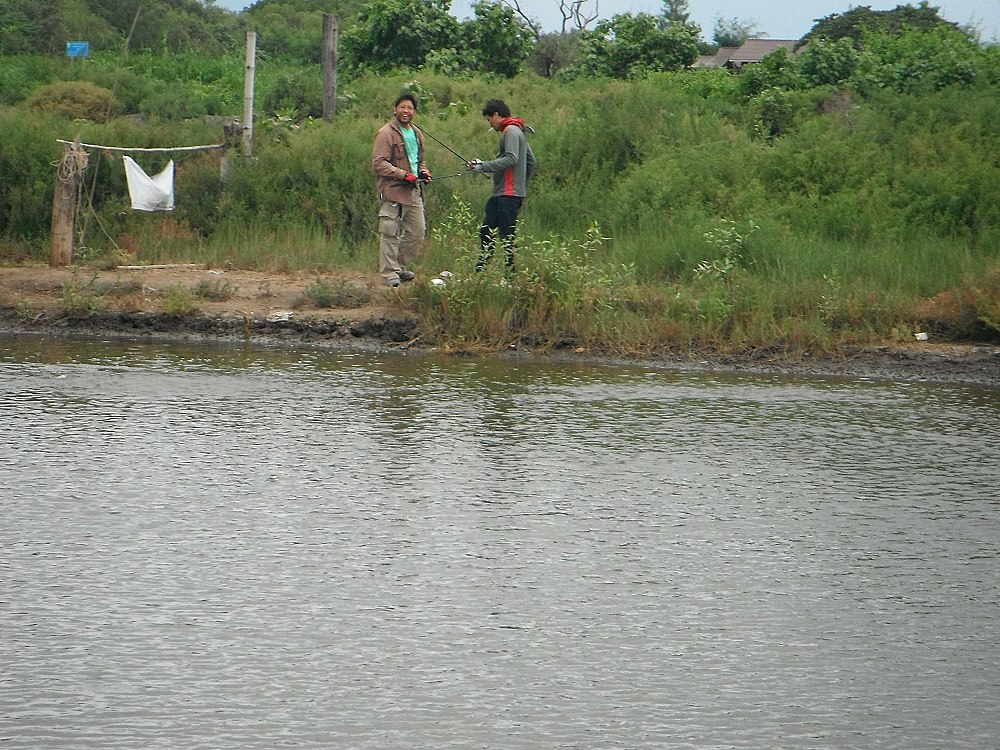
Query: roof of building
[
  {"x": 718, "y": 60},
  {"x": 755, "y": 50}
]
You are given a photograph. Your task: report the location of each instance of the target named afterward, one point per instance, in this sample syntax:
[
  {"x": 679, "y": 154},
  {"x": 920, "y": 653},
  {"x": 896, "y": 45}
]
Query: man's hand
[
  {"x": 475, "y": 165},
  {"x": 426, "y": 176},
  {"x": 411, "y": 178}
]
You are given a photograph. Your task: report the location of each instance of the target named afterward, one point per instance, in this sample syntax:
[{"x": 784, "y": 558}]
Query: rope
[
  {"x": 70, "y": 168},
  {"x": 124, "y": 150}
]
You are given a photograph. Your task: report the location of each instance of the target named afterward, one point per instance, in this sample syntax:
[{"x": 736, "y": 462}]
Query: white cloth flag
[{"x": 150, "y": 193}]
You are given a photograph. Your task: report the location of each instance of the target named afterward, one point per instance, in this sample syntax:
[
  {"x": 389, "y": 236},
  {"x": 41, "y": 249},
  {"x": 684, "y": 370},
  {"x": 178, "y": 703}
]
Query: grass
[
  {"x": 658, "y": 219},
  {"x": 741, "y": 295},
  {"x": 215, "y": 291},
  {"x": 736, "y": 286},
  {"x": 91, "y": 296},
  {"x": 180, "y": 301},
  {"x": 340, "y": 293}
]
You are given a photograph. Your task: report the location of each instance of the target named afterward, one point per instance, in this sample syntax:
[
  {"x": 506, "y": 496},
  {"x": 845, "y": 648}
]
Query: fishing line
[{"x": 433, "y": 138}]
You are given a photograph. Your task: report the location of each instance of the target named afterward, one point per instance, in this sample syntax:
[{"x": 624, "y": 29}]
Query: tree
[
  {"x": 399, "y": 34},
  {"x": 574, "y": 15},
  {"x": 674, "y": 12},
  {"x": 916, "y": 61},
  {"x": 553, "y": 52},
  {"x": 292, "y": 29},
  {"x": 827, "y": 63},
  {"x": 496, "y": 40},
  {"x": 170, "y": 25},
  {"x": 27, "y": 26},
  {"x": 631, "y": 46},
  {"x": 732, "y": 32},
  {"x": 855, "y": 22}
]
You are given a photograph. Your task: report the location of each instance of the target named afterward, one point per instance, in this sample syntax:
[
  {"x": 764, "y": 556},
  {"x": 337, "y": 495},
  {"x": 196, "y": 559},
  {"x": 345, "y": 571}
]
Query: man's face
[
  {"x": 405, "y": 112},
  {"x": 496, "y": 121}
]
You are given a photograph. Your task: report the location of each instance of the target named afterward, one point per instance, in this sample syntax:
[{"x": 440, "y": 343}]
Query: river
[{"x": 237, "y": 547}]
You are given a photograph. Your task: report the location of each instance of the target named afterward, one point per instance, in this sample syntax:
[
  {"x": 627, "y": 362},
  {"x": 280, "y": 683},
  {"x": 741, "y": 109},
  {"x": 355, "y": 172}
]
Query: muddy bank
[
  {"x": 921, "y": 362},
  {"x": 269, "y": 309}
]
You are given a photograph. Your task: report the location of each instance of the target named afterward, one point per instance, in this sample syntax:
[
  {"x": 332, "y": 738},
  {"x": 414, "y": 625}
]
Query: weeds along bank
[{"x": 681, "y": 210}]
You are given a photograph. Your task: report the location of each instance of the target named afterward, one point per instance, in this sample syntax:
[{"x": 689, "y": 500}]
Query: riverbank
[{"x": 278, "y": 310}]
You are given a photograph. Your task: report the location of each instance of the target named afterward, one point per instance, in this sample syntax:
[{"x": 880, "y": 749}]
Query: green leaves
[
  {"x": 498, "y": 41},
  {"x": 633, "y": 46},
  {"x": 399, "y": 33}
]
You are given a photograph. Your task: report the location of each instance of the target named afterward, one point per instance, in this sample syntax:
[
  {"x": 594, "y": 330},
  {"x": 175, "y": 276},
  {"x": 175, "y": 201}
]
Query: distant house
[
  {"x": 718, "y": 60},
  {"x": 752, "y": 51},
  {"x": 755, "y": 50}
]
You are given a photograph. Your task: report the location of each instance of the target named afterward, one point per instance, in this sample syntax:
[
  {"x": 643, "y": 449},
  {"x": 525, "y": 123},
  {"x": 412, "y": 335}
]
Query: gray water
[{"x": 238, "y": 548}]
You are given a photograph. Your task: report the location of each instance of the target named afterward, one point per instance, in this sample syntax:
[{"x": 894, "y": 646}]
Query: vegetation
[
  {"x": 325, "y": 293},
  {"x": 843, "y": 194}
]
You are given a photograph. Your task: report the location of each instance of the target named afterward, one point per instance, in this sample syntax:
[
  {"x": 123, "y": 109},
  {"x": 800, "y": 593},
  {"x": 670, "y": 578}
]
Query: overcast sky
[{"x": 775, "y": 19}]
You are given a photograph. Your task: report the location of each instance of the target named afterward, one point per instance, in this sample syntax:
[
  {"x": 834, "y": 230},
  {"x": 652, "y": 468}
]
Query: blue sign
[{"x": 77, "y": 49}]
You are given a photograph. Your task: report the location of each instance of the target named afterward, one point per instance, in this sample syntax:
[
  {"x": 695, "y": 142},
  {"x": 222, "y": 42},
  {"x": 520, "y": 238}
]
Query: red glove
[{"x": 411, "y": 178}]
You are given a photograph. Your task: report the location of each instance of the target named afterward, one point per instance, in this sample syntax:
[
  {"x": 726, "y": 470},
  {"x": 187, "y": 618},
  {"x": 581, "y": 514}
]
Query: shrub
[
  {"x": 20, "y": 74},
  {"x": 300, "y": 91},
  {"x": 340, "y": 293},
  {"x": 180, "y": 301},
  {"x": 75, "y": 100},
  {"x": 27, "y": 153},
  {"x": 215, "y": 291}
]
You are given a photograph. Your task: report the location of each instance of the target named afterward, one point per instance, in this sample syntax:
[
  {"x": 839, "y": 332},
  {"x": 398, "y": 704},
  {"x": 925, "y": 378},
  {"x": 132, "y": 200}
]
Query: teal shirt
[{"x": 412, "y": 148}]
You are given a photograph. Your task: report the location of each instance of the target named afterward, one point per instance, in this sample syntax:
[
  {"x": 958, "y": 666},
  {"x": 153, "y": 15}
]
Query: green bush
[
  {"x": 20, "y": 74},
  {"x": 320, "y": 177},
  {"x": 341, "y": 293},
  {"x": 28, "y": 150},
  {"x": 300, "y": 91},
  {"x": 75, "y": 100}
]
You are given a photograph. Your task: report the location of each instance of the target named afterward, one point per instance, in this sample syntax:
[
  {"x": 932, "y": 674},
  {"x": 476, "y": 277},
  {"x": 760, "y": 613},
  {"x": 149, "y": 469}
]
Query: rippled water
[{"x": 228, "y": 548}]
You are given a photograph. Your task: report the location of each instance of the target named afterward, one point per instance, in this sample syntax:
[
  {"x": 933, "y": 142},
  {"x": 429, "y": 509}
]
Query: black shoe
[{"x": 407, "y": 276}]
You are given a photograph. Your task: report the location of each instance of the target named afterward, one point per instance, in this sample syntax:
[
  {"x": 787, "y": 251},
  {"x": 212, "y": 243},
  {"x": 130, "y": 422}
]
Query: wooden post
[
  {"x": 74, "y": 160},
  {"x": 331, "y": 30},
  {"x": 248, "y": 93},
  {"x": 233, "y": 133}
]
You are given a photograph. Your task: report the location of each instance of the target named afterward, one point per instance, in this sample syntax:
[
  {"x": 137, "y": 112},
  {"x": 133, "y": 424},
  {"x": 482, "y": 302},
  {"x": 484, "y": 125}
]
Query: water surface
[{"x": 222, "y": 547}]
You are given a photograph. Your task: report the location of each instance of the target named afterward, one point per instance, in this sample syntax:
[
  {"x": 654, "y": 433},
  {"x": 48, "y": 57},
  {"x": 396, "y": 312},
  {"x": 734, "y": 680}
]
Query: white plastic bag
[{"x": 150, "y": 193}]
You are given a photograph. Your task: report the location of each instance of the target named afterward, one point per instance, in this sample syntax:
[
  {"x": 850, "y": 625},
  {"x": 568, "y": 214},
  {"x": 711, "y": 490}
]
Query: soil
[{"x": 272, "y": 309}]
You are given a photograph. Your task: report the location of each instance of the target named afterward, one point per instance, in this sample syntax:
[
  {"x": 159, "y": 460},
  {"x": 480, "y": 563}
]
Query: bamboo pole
[{"x": 248, "y": 94}]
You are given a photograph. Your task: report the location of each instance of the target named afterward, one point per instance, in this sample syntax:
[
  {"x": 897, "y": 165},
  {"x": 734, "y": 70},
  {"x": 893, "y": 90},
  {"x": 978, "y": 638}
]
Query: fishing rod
[{"x": 464, "y": 160}]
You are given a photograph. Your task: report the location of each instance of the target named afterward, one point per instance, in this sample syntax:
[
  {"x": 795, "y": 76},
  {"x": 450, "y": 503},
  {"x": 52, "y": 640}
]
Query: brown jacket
[{"x": 390, "y": 164}]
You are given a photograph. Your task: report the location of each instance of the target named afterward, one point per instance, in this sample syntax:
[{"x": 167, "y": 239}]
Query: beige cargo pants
[{"x": 401, "y": 231}]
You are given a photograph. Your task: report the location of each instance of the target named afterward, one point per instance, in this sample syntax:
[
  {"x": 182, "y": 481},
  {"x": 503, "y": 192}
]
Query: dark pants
[{"x": 500, "y": 223}]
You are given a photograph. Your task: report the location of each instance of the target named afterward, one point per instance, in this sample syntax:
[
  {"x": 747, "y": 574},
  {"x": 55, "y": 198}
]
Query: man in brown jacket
[{"x": 400, "y": 170}]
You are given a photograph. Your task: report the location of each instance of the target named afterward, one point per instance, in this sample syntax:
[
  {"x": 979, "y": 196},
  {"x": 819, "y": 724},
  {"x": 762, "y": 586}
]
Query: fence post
[
  {"x": 248, "y": 84},
  {"x": 232, "y": 132},
  {"x": 70, "y": 168},
  {"x": 331, "y": 30}
]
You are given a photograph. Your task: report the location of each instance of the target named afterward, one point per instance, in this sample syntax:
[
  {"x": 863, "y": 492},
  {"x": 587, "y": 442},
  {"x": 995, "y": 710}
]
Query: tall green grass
[{"x": 659, "y": 218}]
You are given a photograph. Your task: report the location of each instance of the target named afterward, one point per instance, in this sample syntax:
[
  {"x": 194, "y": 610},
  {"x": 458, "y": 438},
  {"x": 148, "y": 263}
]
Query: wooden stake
[
  {"x": 64, "y": 205},
  {"x": 331, "y": 30}
]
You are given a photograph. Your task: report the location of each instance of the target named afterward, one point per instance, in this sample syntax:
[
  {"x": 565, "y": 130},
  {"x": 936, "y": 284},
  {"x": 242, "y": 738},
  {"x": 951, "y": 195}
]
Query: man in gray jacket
[
  {"x": 399, "y": 166},
  {"x": 511, "y": 170}
]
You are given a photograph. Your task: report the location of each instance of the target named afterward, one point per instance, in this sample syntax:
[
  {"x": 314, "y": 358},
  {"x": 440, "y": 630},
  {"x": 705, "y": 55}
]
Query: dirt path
[
  {"x": 273, "y": 308},
  {"x": 144, "y": 289}
]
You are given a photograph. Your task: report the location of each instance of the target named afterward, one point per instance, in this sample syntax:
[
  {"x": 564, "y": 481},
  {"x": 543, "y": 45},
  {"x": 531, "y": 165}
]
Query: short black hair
[
  {"x": 496, "y": 106},
  {"x": 405, "y": 96}
]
